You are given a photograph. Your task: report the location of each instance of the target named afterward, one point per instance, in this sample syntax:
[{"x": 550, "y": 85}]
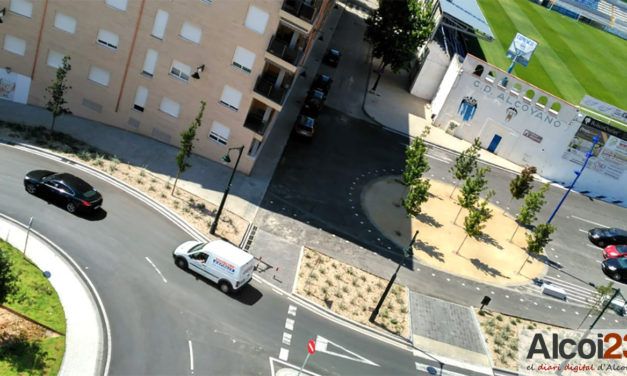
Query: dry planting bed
[
  {"x": 195, "y": 210},
  {"x": 351, "y": 292}
]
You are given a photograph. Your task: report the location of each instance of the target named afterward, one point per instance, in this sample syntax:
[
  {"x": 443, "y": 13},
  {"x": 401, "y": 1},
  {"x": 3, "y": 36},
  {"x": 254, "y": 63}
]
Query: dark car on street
[
  {"x": 73, "y": 193},
  {"x": 615, "y": 268},
  {"x": 321, "y": 83},
  {"x": 602, "y": 237},
  {"x": 332, "y": 57},
  {"x": 305, "y": 126},
  {"x": 313, "y": 103}
]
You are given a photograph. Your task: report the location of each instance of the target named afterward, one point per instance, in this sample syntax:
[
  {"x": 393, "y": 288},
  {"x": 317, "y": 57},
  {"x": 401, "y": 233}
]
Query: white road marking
[
  {"x": 322, "y": 345},
  {"x": 287, "y": 339},
  {"x": 277, "y": 291},
  {"x": 158, "y": 271},
  {"x": 535, "y": 303},
  {"x": 507, "y": 296},
  {"x": 292, "y": 310},
  {"x": 589, "y": 221},
  {"x": 576, "y": 313},
  {"x": 584, "y": 231},
  {"x": 191, "y": 355},
  {"x": 284, "y": 354},
  {"x": 447, "y": 161},
  {"x": 592, "y": 246},
  {"x": 289, "y": 324},
  {"x": 448, "y": 280}
]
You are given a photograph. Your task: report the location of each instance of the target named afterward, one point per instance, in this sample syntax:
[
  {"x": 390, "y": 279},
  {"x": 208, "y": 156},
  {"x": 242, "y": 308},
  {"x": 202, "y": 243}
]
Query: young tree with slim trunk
[
  {"x": 465, "y": 163},
  {"x": 537, "y": 240},
  {"x": 417, "y": 194},
  {"x": 188, "y": 137},
  {"x": 7, "y": 278},
  {"x": 57, "y": 91},
  {"x": 472, "y": 188},
  {"x": 474, "y": 223},
  {"x": 396, "y": 30},
  {"x": 521, "y": 184},
  {"x": 530, "y": 208},
  {"x": 416, "y": 162}
]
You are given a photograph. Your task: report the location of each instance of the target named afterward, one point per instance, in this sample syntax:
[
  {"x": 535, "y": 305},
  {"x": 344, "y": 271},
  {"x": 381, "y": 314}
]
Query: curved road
[{"x": 153, "y": 321}]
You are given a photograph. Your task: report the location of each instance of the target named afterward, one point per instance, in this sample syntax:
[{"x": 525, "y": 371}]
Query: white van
[{"x": 221, "y": 262}]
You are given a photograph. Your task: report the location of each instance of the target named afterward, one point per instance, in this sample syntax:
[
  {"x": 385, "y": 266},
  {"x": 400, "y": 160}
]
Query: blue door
[{"x": 494, "y": 143}]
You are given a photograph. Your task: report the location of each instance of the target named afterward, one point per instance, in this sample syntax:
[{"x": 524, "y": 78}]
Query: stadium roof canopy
[{"x": 465, "y": 16}]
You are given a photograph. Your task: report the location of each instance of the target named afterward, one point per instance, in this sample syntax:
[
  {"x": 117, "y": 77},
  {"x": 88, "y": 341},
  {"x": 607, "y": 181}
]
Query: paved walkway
[{"x": 85, "y": 346}]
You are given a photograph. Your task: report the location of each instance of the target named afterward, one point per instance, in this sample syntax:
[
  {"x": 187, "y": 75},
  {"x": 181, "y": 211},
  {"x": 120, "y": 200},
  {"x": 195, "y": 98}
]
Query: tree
[
  {"x": 57, "y": 91},
  {"x": 465, "y": 163},
  {"x": 7, "y": 277},
  {"x": 521, "y": 184},
  {"x": 416, "y": 162},
  {"x": 537, "y": 240},
  {"x": 474, "y": 223},
  {"x": 530, "y": 208},
  {"x": 472, "y": 188},
  {"x": 396, "y": 30},
  {"x": 417, "y": 194},
  {"x": 188, "y": 137}
]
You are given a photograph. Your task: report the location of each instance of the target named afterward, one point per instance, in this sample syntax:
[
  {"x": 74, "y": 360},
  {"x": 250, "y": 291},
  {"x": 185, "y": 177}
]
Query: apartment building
[{"x": 145, "y": 65}]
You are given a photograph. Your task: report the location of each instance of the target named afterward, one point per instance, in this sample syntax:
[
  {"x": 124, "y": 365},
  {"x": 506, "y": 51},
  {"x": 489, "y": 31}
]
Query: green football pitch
[{"x": 572, "y": 59}]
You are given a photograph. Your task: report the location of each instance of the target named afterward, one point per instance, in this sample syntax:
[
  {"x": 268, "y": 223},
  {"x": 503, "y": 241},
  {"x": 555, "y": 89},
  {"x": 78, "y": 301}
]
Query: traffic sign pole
[
  {"x": 303, "y": 366},
  {"x": 311, "y": 348}
]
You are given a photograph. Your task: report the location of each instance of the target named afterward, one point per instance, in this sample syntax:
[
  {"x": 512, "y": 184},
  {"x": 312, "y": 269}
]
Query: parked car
[
  {"x": 313, "y": 103},
  {"x": 615, "y": 268},
  {"x": 65, "y": 189},
  {"x": 220, "y": 262},
  {"x": 603, "y": 237},
  {"x": 322, "y": 83},
  {"x": 614, "y": 251},
  {"x": 305, "y": 125},
  {"x": 332, "y": 57}
]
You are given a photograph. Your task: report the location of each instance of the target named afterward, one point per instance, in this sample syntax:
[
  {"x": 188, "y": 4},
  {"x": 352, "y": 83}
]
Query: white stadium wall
[{"x": 535, "y": 128}]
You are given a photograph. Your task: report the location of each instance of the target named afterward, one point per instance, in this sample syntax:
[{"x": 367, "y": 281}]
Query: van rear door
[{"x": 247, "y": 272}]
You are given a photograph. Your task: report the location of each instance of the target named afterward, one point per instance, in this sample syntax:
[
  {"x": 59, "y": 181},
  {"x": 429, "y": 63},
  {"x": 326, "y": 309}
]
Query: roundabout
[{"x": 492, "y": 259}]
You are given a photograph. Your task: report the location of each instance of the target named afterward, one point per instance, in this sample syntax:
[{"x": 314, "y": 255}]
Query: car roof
[
  {"x": 73, "y": 181},
  {"x": 228, "y": 251},
  {"x": 324, "y": 77},
  {"x": 306, "y": 121},
  {"x": 334, "y": 51}
]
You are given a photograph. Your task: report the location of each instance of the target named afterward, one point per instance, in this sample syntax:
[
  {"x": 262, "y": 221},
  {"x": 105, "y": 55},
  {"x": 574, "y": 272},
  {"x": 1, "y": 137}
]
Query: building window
[
  {"x": 208, "y": 2},
  {"x": 65, "y": 23},
  {"x": 180, "y": 70},
  {"x": 478, "y": 70},
  {"x": 14, "y": 45},
  {"x": 254, "y": 147},
  {"x": 22, "y": 7},
  {"x": 108, "y": 39},
  {"x": 117, "y": 4},
  {"x": 191, "y": 32},
  {"x": 55, "y": 59},
  {"x": 219, "y": 133},
  {"x": 244, "y": 59},
  {"x": 150, "y": 63},
  {"x": 257, "y": 19},
  {"x": 170, "y": 107},
  {"x": 99, "y": 76},
  {"x": 161, "y": 21},
  {"x": 231, "y": 98},
  {"x": 141, "y": 96}
]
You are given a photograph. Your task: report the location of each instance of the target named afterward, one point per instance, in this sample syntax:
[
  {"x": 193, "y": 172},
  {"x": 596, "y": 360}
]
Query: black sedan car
[
  {"x": 305, "y": 126},
  {"x": 321, "y": 83},
  {"x": 602, "y": 237},
  {"x": 332, "y": 57},
  {"x": 313, "y": 103},
  {"x": 73, "y": 193},
  {"x": 615, "y": 268}
]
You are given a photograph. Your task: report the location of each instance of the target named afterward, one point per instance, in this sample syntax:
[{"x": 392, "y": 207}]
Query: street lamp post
[
  {"x": 595, "y": 141},
  {"x": 406, "y": 253},
  {"x": 226, "y": 159}
]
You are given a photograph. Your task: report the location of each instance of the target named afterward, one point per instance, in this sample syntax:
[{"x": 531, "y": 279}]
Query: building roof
[{"x": 468, "y": 12}]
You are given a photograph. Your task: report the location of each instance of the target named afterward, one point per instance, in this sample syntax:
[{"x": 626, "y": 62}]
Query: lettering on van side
[{"x": 224, "y": 265}]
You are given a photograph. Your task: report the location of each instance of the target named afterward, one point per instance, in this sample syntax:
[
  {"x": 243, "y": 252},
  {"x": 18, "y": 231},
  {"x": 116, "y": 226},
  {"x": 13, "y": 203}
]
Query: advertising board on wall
[{"x": 609, "y": 156}]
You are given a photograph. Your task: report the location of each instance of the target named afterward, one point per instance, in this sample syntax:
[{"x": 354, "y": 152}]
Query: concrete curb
[{"x": 87, "y": 337}]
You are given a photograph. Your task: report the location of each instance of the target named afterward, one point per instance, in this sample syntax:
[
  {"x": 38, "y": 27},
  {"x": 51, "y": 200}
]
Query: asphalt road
[{"x": 153, "y": 321}]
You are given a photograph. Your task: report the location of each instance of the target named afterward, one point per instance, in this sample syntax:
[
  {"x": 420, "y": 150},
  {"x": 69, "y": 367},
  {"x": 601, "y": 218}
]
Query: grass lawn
[{"x": 571, "y": 60}]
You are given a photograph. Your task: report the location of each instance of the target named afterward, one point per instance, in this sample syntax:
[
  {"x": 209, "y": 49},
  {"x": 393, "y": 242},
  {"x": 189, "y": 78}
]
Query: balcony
[
  {"x": 254, "y": 121},
  {"x": 281, "y": 49},
  {"x": 303, "y": 9}
]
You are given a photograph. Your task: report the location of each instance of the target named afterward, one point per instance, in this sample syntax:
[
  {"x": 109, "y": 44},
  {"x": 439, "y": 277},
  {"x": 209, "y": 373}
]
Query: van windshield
[{"x": 196, "y": 247}]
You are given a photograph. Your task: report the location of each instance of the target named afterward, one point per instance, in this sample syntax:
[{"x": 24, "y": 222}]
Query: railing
[
  {"x": 265, "y": 86},
  {"x": 282, "y": 50},
  {"x": 301, "y": 9},
  {"x": 254, "y": 121}
]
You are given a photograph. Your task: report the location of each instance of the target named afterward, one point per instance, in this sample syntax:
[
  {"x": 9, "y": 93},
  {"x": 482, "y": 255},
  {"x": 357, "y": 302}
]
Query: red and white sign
[{"x": 311, "y": 346}]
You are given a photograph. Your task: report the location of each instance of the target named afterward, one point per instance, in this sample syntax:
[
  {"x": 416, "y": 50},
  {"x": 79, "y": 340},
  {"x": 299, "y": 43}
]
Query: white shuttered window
[
  {"x": 257, "y": 19},
  {"x": 219, "y": 133},
  {"x": 100, "y": 76},
  {"x": 117, "y": 4},
  {"x": 65, "y": 23},
  {"x": 14, "y": 44},
  {"x": 180, "y": 70},
  {"x": 22, "y": 7},
  {"x": 108, "y": 39},
  {"x": 231, "y": 98},
  {"x": 150, "y": 63},
  {"x": 244, "y": 59},
  {"x": 161, "y": 21},
  {"x": 55, "y": 59},
  {"x": 141, "y": 96},
  {"x": 170, "y": 107},
  {"x": 191, "y": 32}
]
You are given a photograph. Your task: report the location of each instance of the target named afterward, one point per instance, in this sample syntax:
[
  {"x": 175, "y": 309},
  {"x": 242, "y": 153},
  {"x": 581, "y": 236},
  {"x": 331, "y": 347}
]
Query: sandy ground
[
  {"x": 12, "y": 325},
  {"x": 492, "y": 259},
  {"x": 352, "y": 293}
]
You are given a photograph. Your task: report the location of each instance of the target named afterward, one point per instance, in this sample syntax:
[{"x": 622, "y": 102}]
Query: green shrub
[
  {"x": 323, "y": 270},
  {"x": 142, "y": 173},
  {"x": 314, "y": 276},
  {"x": 152, "y": 188},
  {"x": 345, "y": 289},
  {"x": 499, "y": 318}
]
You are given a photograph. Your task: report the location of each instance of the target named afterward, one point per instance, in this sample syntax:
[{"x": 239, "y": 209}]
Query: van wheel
[
  {"x": 225, "y": 287},
  {"x": 181, "y": 263}
]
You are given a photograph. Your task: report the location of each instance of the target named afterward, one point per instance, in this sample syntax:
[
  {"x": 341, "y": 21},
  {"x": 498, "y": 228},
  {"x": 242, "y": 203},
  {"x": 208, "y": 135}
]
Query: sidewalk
[{"x": 86, "y": 352}]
